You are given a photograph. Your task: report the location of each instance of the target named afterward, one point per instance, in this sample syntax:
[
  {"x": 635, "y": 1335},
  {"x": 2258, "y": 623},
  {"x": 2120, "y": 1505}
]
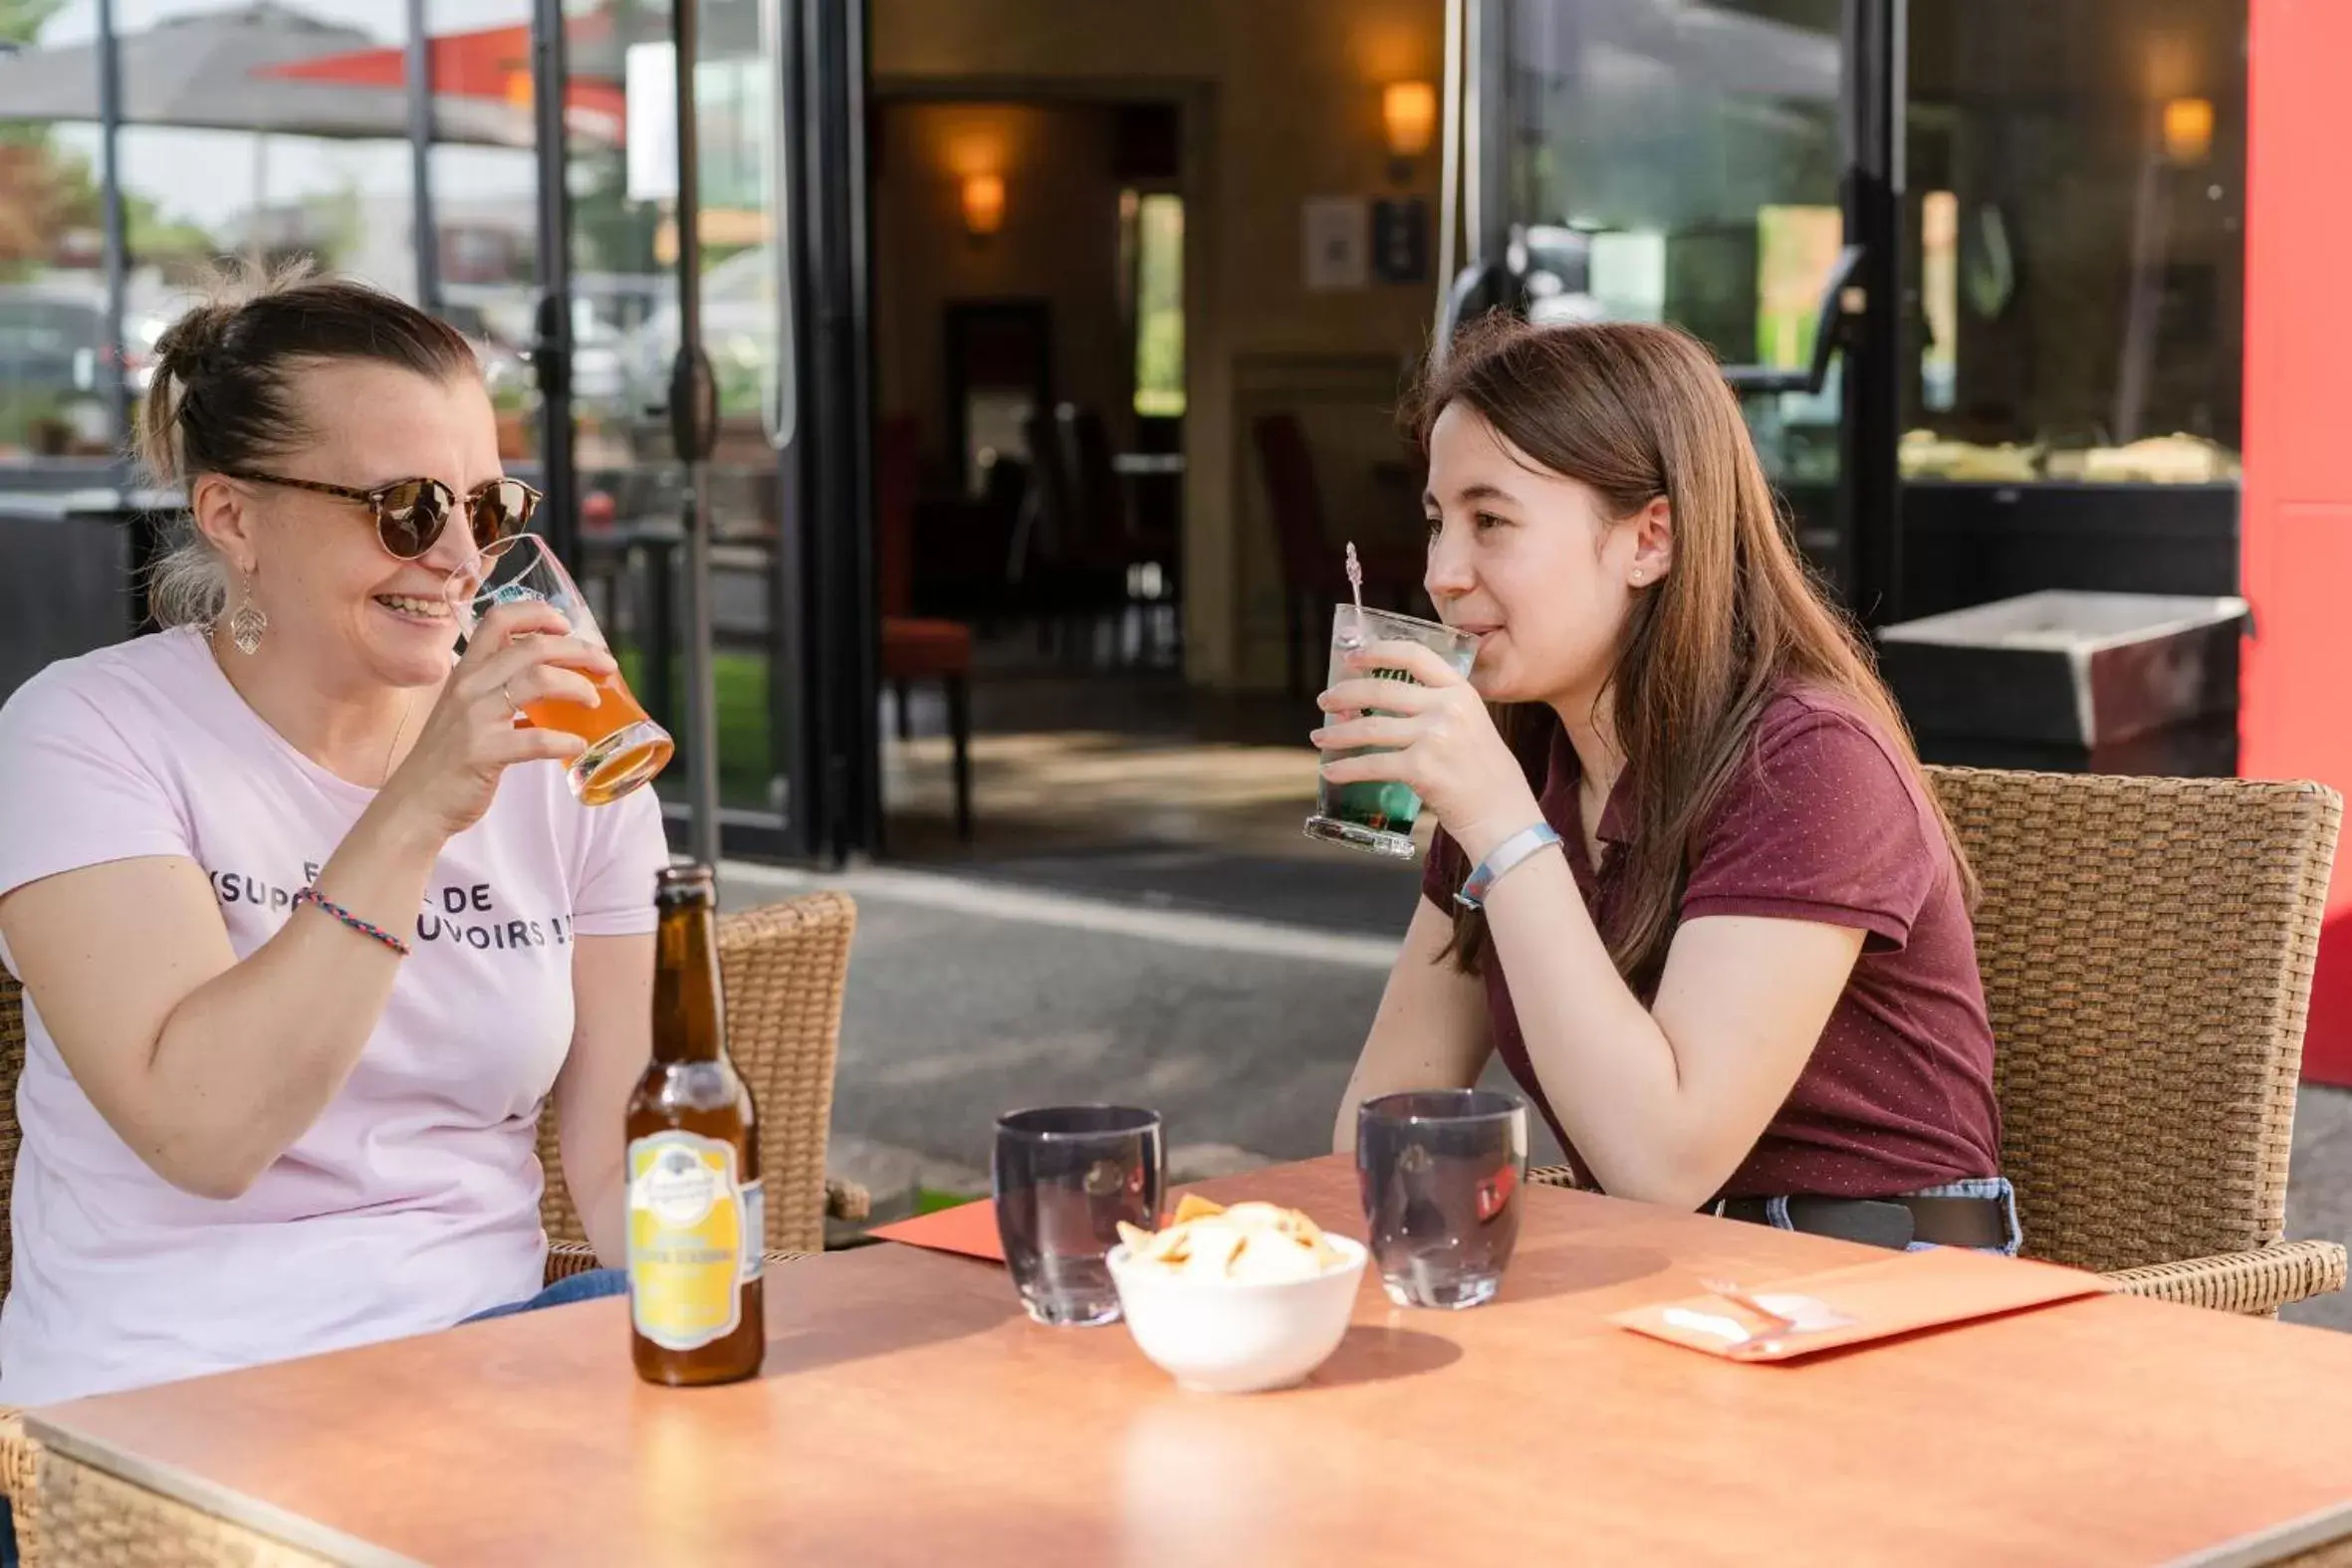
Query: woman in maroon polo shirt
[{"x": 1690, "y": 881}]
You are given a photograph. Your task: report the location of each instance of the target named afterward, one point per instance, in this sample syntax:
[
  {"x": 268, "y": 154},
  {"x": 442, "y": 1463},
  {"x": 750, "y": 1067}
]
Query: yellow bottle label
[{"x": 689, "y": 1234}]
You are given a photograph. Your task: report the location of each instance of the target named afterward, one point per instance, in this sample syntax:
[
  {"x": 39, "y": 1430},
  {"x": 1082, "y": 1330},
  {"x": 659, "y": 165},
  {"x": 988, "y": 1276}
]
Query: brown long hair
[{"x": 1637, "y": 412}]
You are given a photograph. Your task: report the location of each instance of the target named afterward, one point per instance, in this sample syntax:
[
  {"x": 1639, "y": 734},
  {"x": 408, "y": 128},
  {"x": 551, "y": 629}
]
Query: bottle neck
[{"x": 689, "y": 1016}]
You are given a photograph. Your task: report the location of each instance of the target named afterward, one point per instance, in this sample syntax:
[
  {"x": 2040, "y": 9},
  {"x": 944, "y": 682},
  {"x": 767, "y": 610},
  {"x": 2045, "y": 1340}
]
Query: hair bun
[
  {"x": 190, "y": 345},
  {"x": 186, "y": 347}
]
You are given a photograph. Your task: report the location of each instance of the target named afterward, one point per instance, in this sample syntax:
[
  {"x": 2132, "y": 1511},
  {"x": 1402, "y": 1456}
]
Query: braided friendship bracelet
[{"x": 311, "y": 895}]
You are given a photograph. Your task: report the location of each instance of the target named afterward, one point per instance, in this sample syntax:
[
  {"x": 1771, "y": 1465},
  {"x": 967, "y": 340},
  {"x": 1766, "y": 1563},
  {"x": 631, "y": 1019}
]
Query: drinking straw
[{"x": 1355, "y": 585}]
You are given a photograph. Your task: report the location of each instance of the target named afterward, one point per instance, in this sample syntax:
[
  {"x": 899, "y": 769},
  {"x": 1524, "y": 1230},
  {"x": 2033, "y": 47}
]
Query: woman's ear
[
  {"x": 1653, "y": 541},
  {"x": 222, "y": 515}
]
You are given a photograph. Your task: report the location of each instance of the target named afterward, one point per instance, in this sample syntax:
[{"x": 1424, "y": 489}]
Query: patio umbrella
[
  {"x": 221, "y": 70},
  {"x": 492, "y": 64}
]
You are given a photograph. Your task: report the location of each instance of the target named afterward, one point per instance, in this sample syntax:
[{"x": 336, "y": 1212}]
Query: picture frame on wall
[{"x": 1337, "y": 236}]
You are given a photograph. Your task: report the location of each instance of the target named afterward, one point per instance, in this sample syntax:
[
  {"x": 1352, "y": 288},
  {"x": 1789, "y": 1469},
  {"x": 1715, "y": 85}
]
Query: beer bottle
[{"x": 695, "y": 1214}]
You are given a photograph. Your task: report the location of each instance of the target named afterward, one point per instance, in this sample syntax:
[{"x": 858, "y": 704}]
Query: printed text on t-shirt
[{"x": 443, "y": 919}]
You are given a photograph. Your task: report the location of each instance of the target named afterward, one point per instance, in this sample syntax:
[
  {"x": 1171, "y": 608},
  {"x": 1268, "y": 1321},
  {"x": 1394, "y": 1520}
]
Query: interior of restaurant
[{"x": 1092, "y": 325}]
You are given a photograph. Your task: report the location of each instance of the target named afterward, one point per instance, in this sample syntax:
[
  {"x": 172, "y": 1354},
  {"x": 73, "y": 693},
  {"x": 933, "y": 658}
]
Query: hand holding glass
[
  {"x": 625, "y": 747},
  {"x": 1376, "y": 814}
]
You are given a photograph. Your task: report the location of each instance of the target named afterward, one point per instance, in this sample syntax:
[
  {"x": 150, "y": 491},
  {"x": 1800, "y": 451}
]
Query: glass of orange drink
[{"x": 625, "y": 747}]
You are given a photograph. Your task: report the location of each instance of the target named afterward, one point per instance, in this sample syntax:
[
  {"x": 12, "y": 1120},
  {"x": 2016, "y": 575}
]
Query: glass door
[
  {"x": 1720, "y": 165},
  {"x": 646, "y": 499}
]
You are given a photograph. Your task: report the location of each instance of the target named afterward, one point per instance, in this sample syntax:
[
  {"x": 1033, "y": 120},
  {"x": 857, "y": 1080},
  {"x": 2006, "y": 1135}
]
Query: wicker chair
[
  {"x": 2147, "y": 948},
  {"x": 17, "y": 1455},
  {"x": 784, "y": 967}
]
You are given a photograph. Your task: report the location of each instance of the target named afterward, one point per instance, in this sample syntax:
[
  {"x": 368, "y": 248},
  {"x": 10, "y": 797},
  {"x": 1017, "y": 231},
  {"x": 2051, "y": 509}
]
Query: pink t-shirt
[{"x": 414, "y": 1201}]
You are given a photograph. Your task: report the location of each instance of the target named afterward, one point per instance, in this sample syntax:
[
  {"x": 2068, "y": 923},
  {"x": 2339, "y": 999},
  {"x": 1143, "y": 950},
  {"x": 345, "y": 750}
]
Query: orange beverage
[{"x": 625, "y": 747}]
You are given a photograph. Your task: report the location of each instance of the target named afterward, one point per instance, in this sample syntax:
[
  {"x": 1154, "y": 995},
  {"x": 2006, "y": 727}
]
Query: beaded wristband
[{"x": 311, "y": 895}]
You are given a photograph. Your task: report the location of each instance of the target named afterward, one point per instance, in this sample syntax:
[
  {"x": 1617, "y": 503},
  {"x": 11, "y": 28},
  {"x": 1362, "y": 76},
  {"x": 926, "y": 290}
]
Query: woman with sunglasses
[{"x": 308, "y": 926}]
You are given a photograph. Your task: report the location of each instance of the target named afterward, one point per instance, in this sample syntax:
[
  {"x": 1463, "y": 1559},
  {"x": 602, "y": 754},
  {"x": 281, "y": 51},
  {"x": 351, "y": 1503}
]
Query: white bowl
[{"x": 1223, "y": 1337}]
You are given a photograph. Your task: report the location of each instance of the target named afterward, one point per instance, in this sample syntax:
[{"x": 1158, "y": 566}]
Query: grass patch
[
  {"x": 931, "y": 1200},
  {"x": 741, "y": 680}
]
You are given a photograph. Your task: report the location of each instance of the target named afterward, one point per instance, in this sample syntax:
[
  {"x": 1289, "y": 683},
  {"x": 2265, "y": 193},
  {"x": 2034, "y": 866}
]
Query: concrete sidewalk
[
  {"x": 2319, "y": 1191},
  {"x": 970, "y": 997}
]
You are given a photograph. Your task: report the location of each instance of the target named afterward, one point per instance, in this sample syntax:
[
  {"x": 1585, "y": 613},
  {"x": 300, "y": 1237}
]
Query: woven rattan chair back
[
  {"x": 12, "y": 1067},
  {"x": 784, "y": 967},
  {"x": 2147, "y": 948}
]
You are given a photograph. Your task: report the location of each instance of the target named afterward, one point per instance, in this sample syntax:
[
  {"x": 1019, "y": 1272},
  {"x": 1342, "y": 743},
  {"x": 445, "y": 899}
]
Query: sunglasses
[{"x": 409, "y": 513}]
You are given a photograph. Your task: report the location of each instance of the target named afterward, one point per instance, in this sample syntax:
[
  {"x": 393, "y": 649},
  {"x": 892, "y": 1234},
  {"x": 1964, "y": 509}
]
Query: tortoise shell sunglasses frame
[{"x": 410, "y": 513}]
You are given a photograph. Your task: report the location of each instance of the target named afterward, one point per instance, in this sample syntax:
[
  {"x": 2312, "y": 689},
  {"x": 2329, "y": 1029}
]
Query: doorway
[{"x": 1030, "y": 305}]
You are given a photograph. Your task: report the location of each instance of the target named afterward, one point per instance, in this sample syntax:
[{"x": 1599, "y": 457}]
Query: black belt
[{"x": 1887, "y": 1221}]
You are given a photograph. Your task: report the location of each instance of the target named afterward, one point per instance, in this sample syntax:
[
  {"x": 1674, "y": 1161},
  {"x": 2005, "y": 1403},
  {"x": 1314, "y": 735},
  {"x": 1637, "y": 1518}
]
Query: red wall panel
[{"x": 2296, "y": 522}]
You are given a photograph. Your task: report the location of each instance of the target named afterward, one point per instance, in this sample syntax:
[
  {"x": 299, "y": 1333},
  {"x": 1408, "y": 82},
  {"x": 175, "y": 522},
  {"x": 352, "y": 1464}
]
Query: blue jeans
[
  {"x": 596, "y": 1282},
  {"x": 1776, "y": 1210},
  {"x": 594, "y": 1285}
]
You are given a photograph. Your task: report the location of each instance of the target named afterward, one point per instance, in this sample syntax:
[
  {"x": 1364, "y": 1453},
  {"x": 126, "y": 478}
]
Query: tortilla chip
[
  {"x": 1191, "y": 1206},
  {"x": 1252, "y": 1240}
]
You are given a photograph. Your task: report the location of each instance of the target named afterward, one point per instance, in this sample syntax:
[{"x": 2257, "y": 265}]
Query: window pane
[
  {"x": 1160, "y": 307},
  {"x": 53, "y": 329},
  {"x": 2077, "y": 178},
  {"x": 737, "y": 131},
  {"x": 1679, "y": 161},
  {"x": 624, "y": 252},
  {"x": 485, "y": 188},
  {"x": 297, "y": 151},
  {"x": 287, "y": 143}
]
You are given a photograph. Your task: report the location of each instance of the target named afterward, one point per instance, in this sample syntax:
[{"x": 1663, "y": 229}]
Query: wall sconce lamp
[
  {"x": 2188, "y": 129},
  {"x": 984, "y": 204},
  {"x": 1408, "y": 112}
]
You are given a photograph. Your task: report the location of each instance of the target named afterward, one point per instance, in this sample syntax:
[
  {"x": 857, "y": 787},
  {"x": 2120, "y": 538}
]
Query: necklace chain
[
  {"x": 393, "y": 750},
  {"x": 407, "y": 712}
]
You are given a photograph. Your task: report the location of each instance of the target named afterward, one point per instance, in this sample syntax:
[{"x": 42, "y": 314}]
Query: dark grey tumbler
[
  {"x": 1440, "y": 1172},
  {"x": 1066, "y": 1176}
]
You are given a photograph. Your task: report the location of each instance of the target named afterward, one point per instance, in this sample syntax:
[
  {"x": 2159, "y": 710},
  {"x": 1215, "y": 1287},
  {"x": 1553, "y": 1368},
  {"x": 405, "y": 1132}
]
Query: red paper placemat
[
  {"x": 1901, "y": 1294},
  {"x": 969, "y": 1229}
]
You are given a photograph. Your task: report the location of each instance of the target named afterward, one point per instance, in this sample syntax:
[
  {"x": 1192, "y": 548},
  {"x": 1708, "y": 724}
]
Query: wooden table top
[{"x": 910, "y": 1414}]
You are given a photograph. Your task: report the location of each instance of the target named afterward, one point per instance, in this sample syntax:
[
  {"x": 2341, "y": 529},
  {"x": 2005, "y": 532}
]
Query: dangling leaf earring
[{"x": 249, "y": 623}]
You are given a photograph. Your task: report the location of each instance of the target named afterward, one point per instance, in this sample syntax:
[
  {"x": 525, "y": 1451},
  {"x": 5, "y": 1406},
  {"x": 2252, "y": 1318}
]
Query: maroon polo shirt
[{"x": 1824, "y": 822}]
